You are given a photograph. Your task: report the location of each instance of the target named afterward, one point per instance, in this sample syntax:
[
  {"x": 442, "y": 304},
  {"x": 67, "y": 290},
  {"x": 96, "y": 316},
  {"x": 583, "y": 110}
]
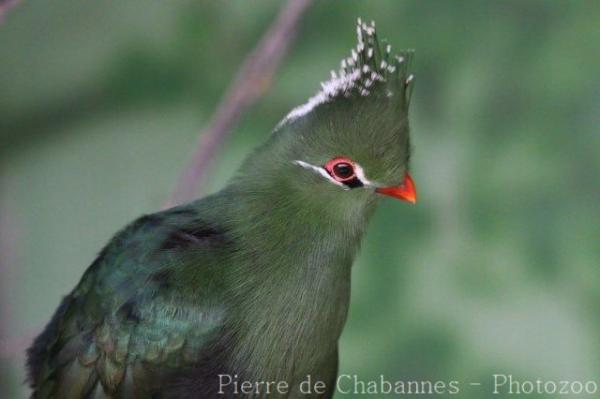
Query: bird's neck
[
  {"x": 293, "y": 277},
  {"x": 294, "y": 234}
]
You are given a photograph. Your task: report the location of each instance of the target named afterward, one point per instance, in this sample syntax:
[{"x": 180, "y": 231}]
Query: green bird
[{"x": 246, "y": 291}]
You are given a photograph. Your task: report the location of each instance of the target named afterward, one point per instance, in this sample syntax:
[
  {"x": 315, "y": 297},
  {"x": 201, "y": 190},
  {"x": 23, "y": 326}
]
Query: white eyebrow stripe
[
  {"x": 360, "y": 174},
  {"x": 320, "y": 171}
]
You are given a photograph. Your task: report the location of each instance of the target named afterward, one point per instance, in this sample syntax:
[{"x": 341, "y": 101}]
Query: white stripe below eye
[{"x": 360, "y": 174}]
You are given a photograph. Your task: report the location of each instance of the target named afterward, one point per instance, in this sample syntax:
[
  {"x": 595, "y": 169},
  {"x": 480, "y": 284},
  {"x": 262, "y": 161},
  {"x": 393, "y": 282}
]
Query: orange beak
[{"x": 405, "y": 192}]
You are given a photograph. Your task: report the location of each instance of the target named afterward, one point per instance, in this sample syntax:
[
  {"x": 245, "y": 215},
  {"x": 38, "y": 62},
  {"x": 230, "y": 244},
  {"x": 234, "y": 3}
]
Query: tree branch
[
  {"x": 6, "y": 5},
  {"x": 252, "y": 80}
]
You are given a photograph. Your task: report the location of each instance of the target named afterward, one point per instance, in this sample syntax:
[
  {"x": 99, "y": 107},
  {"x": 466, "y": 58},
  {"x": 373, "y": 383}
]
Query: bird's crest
[{"x": 371, "y": 70}]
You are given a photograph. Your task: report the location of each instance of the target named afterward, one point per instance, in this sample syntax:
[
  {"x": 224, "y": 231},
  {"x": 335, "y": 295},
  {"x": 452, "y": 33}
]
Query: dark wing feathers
[{"x": 109, "y": 337}]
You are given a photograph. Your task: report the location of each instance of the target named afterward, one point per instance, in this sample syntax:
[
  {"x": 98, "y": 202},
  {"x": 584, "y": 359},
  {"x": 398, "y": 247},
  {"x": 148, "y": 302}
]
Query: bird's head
[{"x": 350, "y": 142}]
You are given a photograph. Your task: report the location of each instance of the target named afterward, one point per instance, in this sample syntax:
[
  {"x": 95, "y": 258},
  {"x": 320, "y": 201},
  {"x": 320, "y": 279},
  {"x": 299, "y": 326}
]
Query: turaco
[{"x": 251, "y": 283}]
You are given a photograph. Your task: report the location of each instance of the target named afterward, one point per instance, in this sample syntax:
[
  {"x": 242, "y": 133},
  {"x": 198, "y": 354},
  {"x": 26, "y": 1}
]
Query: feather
[
  {"x": 74, "y": 381},
  {"x": 367, "y": 73}
]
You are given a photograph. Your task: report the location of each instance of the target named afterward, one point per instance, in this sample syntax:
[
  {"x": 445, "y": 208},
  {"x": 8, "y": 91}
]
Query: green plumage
[{"x": 252, "y": 281}]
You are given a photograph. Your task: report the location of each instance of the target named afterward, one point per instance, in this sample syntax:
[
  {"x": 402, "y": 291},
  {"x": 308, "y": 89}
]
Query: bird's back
[{"x": 136, "y": 321}]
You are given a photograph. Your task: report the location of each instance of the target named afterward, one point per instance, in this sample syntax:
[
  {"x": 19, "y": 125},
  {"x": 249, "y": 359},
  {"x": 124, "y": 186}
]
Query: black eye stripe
[{"x": 353, "y": 183}]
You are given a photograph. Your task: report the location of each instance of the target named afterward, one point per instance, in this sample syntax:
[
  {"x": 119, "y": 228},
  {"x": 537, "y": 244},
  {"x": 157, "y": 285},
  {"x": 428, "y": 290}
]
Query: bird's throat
[{"x": 293, "y": 285}]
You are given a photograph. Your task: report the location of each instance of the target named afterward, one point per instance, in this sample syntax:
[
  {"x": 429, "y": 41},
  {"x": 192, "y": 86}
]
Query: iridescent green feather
[{"x": 253, "y": 280}]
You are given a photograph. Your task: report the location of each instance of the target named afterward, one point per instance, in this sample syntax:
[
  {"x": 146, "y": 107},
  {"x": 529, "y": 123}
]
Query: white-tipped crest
[{"x": 367, "y": 70}]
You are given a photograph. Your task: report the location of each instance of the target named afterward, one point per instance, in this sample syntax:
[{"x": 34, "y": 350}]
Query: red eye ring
[{"x": 342, "y": 169}]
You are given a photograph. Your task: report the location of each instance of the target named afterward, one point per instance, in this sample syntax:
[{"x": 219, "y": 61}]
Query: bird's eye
[{"x": 341, "y": 169}]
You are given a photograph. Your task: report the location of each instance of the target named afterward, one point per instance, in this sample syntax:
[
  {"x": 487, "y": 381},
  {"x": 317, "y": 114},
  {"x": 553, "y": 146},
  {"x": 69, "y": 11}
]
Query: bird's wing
[{"x": 129, "y": 321}]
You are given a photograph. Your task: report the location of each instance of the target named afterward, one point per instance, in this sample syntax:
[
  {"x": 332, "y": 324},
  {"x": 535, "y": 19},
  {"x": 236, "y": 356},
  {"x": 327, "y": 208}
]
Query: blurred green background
[{"x": 496, "y": 270}]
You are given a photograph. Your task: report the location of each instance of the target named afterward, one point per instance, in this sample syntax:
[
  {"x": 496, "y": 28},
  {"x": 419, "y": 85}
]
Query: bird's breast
[{"x": 293, "y": 328}]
